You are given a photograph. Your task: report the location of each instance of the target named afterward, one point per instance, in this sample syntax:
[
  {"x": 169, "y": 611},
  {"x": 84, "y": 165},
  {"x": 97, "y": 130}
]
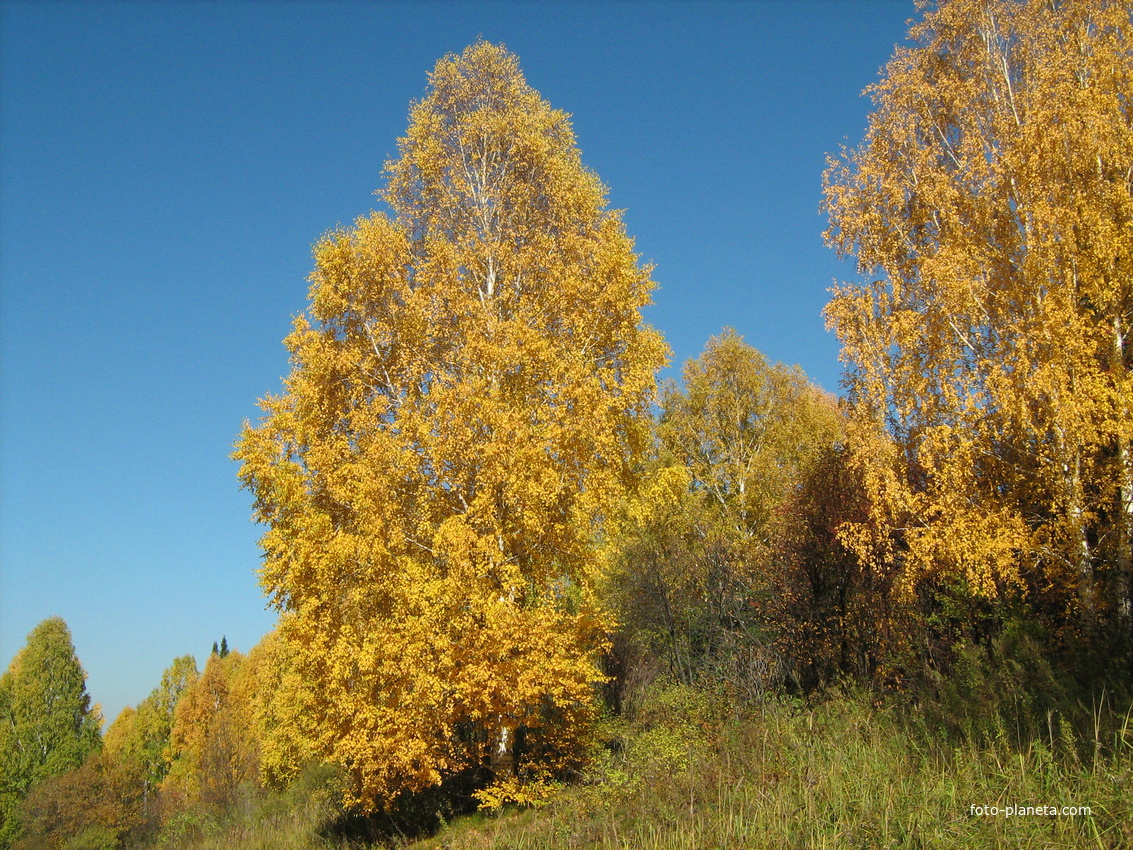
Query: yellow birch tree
[
  {"x": 695, "y": 571},
  {"x": 213, "y": 744},
  {"x": 282, "y": 703},
  {"x": 468, "y": 403},
  {"x": 992, "y": 203}
]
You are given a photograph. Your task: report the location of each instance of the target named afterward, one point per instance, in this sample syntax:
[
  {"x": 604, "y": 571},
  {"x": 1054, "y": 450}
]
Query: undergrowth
[{"x": 690, "y": 772}]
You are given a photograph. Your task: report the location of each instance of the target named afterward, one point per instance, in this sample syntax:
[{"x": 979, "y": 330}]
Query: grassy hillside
[
  {"x": 690, "y": 771},
  {"x": 840, "y": 774}
]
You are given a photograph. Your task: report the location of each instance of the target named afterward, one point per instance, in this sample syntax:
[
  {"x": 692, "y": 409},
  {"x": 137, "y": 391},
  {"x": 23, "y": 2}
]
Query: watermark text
[{"x": 1012, "y": 811}]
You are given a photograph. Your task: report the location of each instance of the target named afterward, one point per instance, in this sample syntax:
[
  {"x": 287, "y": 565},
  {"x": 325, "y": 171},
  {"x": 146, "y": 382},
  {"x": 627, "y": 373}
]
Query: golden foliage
[
  {"x": 733, "y": 443},
  {"x": 993, "y": 202},
  {"x": 281, "y": 707},
  {"x": 468, "y": 402},
  {"x": 214, "y": 746},
  {"x": 745, "y": 428}
]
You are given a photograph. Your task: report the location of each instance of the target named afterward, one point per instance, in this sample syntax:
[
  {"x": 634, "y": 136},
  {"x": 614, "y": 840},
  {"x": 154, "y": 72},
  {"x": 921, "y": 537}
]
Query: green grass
[
  {"x": 840, "y": 774},
  {"x": 691, "y": 772},
  {"x": 260, "y": 819}
]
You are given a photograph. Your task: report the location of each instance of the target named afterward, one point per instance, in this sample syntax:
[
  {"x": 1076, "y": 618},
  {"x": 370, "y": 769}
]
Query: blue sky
[{"x": 166, "y": 167}]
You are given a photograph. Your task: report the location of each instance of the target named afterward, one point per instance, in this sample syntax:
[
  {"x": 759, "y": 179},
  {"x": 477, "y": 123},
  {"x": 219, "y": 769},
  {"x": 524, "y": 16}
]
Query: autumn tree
[
  {"x": 47, "y": 724},
  {"x": 991, "y": 207},
  {"x": 111, "y": 798},
  {"x": 98, "y": 804},
  {"x": 835, "y": 616},
  {"x": 283, "y": 710},
  {"x": 744, "y": 428},
  {"x": 467, "y": 406},
  {"x": 213, "y": 747},
  {"x": 732, "y": 443},
  {"x": 141, "y": 737}
]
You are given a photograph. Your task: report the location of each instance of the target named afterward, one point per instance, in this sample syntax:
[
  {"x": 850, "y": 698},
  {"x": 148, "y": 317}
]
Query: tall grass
[
  {"x": 845, "y": 773},
  {"x": 296, "y": 818},
  {"x": 692, "y": 771}
]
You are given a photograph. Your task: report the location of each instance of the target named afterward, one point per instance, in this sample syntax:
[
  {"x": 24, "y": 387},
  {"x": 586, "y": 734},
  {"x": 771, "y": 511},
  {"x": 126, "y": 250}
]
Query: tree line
[{"x": 487, "y": 524}]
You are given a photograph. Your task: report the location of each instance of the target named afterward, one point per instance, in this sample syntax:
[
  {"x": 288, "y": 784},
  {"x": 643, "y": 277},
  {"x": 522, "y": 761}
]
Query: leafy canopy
[
  {"x": 468, "y": 404},
  {"x": 733, "y": 443},
  {"x": 47, "y": 723},
  {"x": 992, "y": 205}
]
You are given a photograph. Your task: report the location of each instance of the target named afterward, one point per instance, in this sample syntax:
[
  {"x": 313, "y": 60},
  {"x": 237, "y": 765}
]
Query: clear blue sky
[{"x": 166, "y": 167}]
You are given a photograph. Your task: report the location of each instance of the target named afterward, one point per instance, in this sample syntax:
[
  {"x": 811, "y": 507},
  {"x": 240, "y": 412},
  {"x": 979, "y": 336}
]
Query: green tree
[
  {"x": 468, "y": 405},
  {"x": 47, "y": 724},
  {"x": 991, "y": 205}
]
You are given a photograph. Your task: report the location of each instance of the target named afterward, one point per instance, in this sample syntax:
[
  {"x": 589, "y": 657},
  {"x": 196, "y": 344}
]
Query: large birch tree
[
  {"x": 991, "y": 204},
  {"x": 468, "y": 404}
]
